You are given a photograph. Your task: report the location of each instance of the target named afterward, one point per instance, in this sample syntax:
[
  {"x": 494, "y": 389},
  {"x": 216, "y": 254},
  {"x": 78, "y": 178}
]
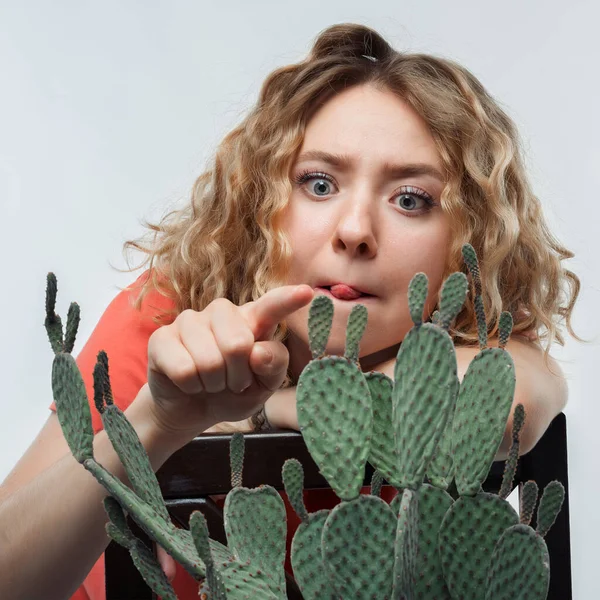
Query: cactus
[
  {"x": 428, "y": 435},
  {"x": 334, "y": 402},
  {"x": 520, "y": 563},
  {"x": 482, "y": 409},
  {"x": 144, "y": 560},
  {"x": 255, "y": 523},
  {"x": 376, "y": 483},
  {"x": 306, "y": 557}
]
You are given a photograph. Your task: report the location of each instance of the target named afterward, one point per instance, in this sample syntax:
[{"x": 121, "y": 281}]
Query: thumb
[{"x": 269, "y": 362}]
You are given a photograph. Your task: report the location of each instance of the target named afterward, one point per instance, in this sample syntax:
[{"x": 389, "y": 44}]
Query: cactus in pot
[{"x": 423, "y": 432}]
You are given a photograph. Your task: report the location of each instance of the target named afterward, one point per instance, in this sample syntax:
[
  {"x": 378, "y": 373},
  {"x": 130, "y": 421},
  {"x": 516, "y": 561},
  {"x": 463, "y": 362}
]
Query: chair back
[{"x": 201, "y": 469}]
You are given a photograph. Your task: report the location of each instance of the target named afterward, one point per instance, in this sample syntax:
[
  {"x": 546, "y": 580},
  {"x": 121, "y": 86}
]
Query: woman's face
[{"x": 359, "y": 215}]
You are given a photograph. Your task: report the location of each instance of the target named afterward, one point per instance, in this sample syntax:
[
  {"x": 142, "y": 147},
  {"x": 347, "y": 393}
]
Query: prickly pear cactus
[
  {"x": 470, "y": 552},
  {"x": 145, "y": 505},
  {"x": 255, "y": 523},
  {"x": 306, "y": 557},
  {"x": 334, "y": 402},
  {"x": 482, "y": 409},
  {"x": 426, "y": 434},
  {"x": 522, "y": 546}
]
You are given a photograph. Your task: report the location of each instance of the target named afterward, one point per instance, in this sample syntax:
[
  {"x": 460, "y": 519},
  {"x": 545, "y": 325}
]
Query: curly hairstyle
[{"x": 228, "y": 241}]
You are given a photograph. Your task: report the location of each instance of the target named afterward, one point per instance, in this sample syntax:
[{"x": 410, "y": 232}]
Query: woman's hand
[{"x": 219, "y": 364}]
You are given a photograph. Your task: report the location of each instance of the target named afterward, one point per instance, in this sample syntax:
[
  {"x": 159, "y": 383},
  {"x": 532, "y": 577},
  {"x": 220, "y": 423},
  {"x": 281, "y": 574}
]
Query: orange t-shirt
[{"x": 123, "y": 333}]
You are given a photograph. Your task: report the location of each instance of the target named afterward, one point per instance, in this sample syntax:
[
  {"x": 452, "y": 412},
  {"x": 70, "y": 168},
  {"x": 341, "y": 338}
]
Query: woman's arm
[
  {"x": 51, "y": 513},
  {"x": 542, "y": 393}
]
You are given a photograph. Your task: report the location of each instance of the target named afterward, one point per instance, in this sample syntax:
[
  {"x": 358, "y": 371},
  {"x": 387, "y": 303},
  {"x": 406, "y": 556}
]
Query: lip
[{"x": 359, "y": 300}]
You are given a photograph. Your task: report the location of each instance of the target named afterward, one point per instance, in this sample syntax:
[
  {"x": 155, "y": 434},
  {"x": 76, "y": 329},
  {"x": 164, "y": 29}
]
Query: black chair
[{"x": 201, "y": 469}]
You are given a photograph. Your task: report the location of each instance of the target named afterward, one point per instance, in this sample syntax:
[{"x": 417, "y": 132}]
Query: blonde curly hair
[{"x": 228, "y": 241}]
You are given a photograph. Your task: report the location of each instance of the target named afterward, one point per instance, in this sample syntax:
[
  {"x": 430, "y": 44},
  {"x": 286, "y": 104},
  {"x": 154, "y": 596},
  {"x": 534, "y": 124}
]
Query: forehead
[{"x": 371, "y": 125}]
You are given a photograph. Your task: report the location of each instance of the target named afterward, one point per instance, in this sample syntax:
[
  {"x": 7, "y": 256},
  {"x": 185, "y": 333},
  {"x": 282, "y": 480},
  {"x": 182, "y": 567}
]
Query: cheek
[
  {"x": 415, "y": 254},
  {"x": 433, "y": 264},
  {"x": 293, "y": 224},
  {"x": 419, "y": 252},
  {"x": 307, "y": 235}
]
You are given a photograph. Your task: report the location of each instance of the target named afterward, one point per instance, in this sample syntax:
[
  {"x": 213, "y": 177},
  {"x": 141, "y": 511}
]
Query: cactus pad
[
  {"x": 336, "y": 420},
  {"x": 440, "y": 471},
  {"x": 382, "y": 454},
  {"x": 376, "y": 483},
  {"x": 358, "y": 547},
  {"x": 53, "y": 322},
  {"x": 199, "y": 531},
  {"x": 466, "y": 547},
  {"x": 357, "y": 322},
  {"x": 307, "y": 559},
  {"x": 424, "y": 395},
  {"x": 520, "y": 567},
  {"x": 417, "y": 294},
  {"x": 482, "y": 410},
  {"x": 528, "y": 499},
  {"x": 144, "y": 560},
  {"x": 470, "y": 258},
  {"x": 72, "y": 407},
  {"x": 510, "y": 466},
  {"x": 236, "y": 458},
  {"x": 255, "y": 525},
  {"x": 132, "y": 455},
  {"x": 406, "y": 546},
  {"x": 433, "y": 505},
  {"x": 320, "y": 318},
  {"x": 452, "y": 298},
  {"x": 293, "y": 482},
  {"x": 550, "y": 504},
  {"x": 176, "y": 542}
]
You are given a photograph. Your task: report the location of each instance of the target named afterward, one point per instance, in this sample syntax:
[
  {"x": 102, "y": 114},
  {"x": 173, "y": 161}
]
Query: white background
[{"x": 108, "y": 111}]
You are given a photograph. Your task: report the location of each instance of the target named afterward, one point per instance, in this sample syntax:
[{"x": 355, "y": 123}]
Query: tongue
[{"x": 344, "y": 292}]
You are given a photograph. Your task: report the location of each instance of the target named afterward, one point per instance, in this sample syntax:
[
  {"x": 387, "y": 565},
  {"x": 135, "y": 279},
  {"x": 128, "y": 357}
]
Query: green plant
[{"x": 423, "y": 432}]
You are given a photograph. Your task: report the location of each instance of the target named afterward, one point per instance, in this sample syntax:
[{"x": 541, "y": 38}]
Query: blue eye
[
  {"x": 409, "y": 191},
  {"x": 324, "y": 180},
  {"x": 321, "y": 184},
  {"x": 309, "y": 175}
]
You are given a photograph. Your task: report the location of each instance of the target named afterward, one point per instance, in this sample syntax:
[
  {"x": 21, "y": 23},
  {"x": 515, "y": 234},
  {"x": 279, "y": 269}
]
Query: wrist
[
  {"x": 154, "y": 432},
  {"x": 280, "y": 409}
]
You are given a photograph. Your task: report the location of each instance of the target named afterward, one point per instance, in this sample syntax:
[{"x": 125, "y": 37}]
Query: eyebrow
[{"x": 344, "y": 162}]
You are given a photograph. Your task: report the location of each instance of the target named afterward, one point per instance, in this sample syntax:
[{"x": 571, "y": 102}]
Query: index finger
[{"x": 263, "y": 315}]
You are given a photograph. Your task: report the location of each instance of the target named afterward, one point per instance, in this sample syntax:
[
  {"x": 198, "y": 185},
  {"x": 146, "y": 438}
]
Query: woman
[{"x": 357, "y": 168}]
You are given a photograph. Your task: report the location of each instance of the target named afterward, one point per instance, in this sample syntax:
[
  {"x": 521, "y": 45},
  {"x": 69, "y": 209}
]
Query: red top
[{"x": 123, "y": 333}]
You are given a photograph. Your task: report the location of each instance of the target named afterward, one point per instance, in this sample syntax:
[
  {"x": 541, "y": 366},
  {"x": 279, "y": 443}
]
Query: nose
[{"x": 355, "y": 230}]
